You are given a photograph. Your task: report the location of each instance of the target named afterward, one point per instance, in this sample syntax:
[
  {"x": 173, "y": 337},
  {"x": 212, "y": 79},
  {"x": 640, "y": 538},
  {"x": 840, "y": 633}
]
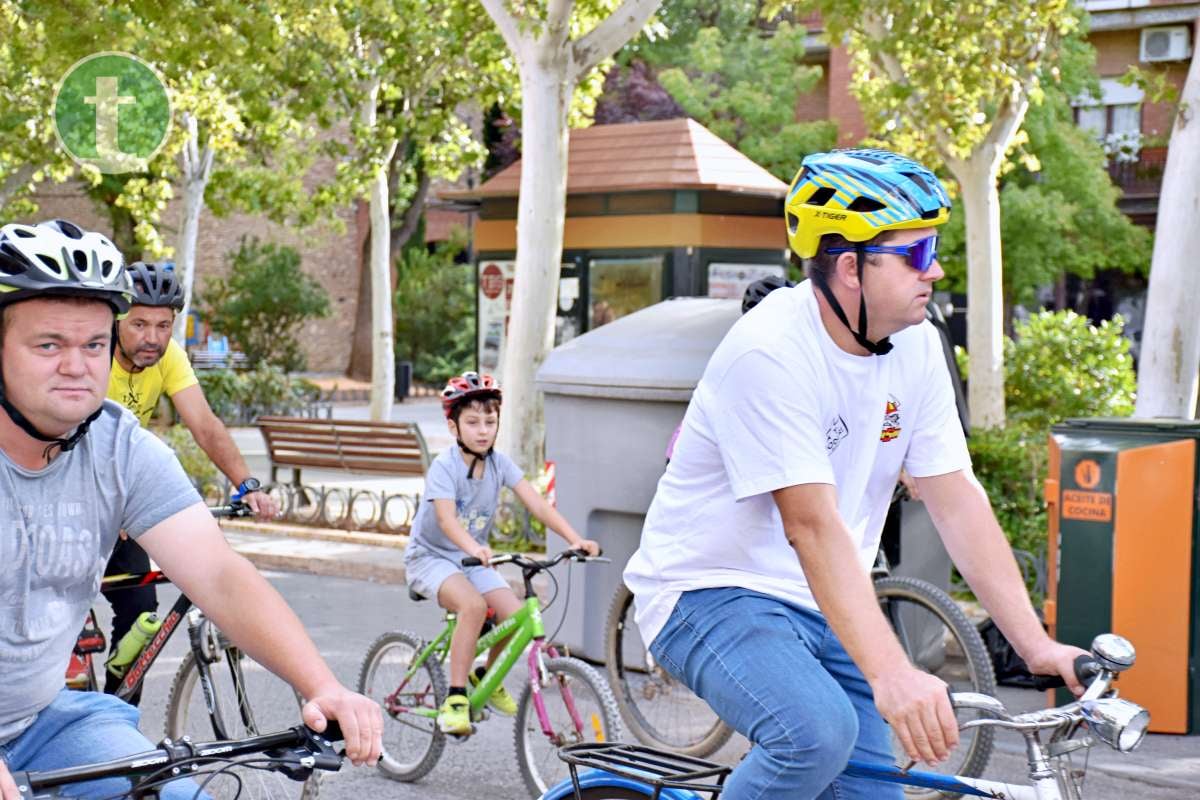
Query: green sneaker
[
  {"x": 500, "y": 701},
  {"x": 454, "y": 717}
]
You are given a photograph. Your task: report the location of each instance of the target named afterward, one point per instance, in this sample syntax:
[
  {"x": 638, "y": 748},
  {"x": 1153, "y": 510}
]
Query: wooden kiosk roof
[{"x": 675, "y": 154}]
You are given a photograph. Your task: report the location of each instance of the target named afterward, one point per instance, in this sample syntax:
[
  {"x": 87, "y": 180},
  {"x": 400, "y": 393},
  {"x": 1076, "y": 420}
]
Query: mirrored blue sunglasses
[{"x": 920, "y": 254}]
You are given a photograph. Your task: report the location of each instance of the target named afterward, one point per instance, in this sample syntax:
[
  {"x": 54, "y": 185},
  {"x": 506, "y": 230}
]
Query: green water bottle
[{"x": 133, "y": 642}]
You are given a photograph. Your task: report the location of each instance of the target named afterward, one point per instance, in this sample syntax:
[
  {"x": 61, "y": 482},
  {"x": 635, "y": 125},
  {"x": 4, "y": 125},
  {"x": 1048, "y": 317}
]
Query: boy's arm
[
  {"x": 447, "y": 517},
  {"x": 550, "y": 517}
]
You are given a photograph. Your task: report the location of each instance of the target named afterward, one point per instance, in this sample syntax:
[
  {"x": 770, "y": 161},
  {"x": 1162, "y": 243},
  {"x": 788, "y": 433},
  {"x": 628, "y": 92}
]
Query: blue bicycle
[{"x": 618, "y": 771}]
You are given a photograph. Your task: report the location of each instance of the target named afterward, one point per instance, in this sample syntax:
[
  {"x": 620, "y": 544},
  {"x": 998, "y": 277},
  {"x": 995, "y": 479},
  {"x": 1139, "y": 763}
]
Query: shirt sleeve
[
  {"x": 766, "y": 419},
  {"x": 938, "y": 446},
  {"x": 439, "y": 482},
  {"x": 177, "y": 370},
  {"x": 157, "y": 486},
  {"x": 510, "y": 473}
]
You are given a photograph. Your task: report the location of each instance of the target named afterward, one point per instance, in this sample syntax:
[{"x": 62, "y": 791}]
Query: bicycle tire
[
  {"x": 609, "y": 793},
  {"x": 593, "y": 701},
  {"x": 683, "y": 723},
  {"x": 395, "y": 651},
  {"x": 956, "y": 654},
  {"x": 187, "y": 715}
]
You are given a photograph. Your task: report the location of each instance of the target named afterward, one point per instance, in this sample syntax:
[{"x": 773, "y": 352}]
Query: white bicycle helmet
[{"x": 60, "y": 258}]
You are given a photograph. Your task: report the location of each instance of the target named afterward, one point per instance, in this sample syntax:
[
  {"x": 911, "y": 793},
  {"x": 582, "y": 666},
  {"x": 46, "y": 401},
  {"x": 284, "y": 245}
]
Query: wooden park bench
[{"x": 382, "y": 448}]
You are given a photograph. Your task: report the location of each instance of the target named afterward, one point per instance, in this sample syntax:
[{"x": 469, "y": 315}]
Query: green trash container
[{"x": 1123, "y": 503}]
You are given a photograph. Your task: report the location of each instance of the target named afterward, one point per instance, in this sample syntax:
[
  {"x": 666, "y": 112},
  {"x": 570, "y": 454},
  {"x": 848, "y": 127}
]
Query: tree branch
[
  {"x": 613, "y": 31},
  {"x": 412, "y": 215},
  {"x": 14, "y": 183},
  {"x": 506, "y": 24},
  {"x": 889, "y": 65}
]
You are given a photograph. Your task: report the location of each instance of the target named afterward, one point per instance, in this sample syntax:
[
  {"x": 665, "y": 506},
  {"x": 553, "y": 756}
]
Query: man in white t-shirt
[{"x": 752, "y": 579}]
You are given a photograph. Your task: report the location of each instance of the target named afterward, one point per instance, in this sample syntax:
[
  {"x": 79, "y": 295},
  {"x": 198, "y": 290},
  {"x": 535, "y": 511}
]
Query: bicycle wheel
[
  {"x": 412, "y": 743},
  {"x": 608, "y": 793},
  {"x": 939, "y": 639},
  {"x": 248, "y": 699},
  {"x": 659, "y": 710},
  {"x": 578, "y": 707}
]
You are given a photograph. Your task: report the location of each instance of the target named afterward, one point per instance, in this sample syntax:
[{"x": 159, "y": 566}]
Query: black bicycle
[
  {"x": 295, "y": 754},
  {"x": 218, "y": 690}
]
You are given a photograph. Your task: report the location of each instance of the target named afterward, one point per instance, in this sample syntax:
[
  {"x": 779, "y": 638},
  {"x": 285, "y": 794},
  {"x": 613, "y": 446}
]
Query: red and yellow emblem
[{"x": 891, "y": 420}]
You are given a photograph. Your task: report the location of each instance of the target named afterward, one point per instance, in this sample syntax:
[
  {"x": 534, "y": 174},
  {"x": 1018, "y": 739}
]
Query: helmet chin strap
[
  {"x": 65, "y": 443},
  {"x": 477, "y": 457},
  {"x": 879, "y": 348}
]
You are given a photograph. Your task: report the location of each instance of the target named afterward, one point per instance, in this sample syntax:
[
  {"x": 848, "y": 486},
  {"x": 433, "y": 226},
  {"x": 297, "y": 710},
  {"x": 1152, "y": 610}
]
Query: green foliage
[
  {"x": 934, "y": 77},
  {"x": 434, "y": 309},
  {"x": 1060, "y": 366},
  {"x": 195, "y": 462},
  {"x": 1010, "y": 462},
  {"x": 237, "y": 397},
  {"x": 515, "y": 530},
  {"x": 1058, "y": 206},
  {"x": 742, "y": 77},
  {"x": 263, "y": 303}
]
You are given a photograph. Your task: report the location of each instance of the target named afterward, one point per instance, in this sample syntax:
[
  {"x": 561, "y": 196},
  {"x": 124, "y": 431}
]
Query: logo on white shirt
[
  {"x": 834, "y": 434},
  {"x": 891, "y": 420}
]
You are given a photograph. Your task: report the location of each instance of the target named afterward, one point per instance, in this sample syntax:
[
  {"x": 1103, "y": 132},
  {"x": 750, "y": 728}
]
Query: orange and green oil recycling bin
[{"x": 1122, "y": 498}]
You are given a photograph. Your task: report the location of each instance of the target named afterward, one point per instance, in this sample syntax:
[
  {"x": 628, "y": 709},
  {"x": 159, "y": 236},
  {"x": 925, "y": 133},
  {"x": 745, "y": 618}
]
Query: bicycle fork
[{"x": 538, "y": 677}]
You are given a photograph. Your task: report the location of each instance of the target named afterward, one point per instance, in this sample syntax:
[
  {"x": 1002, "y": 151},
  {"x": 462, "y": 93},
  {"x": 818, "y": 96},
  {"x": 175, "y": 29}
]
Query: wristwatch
[{"x": 249, "y": 485}]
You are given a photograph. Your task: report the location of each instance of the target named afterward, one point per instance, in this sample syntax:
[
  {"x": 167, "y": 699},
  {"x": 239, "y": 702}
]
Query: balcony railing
[{"x": 1143, "y": 177}]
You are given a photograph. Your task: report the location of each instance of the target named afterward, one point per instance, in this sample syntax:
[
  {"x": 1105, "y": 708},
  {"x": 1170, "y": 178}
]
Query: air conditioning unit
[{"x": 1169, "y": 43}]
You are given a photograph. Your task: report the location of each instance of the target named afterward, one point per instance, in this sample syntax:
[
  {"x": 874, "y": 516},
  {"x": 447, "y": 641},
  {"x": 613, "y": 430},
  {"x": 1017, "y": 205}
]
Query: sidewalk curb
[
  {"x": 318, "y": 556},
  {"x": 397, "y": 541},
  {"x": 372, "y": 557}
]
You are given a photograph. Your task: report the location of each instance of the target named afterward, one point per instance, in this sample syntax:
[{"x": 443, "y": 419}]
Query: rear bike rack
[{"x": 657, "y": 769}]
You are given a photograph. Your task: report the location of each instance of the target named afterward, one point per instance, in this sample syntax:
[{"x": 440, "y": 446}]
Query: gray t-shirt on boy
[
  {"x": 474, "y": 499},
  {"x": 59, "y": 526}
]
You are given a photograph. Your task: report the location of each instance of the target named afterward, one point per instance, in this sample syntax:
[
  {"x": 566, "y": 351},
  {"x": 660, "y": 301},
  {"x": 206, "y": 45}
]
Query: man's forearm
[
  {"x": 219, "y": 446},
  {"x": 844, "y": 593},
  {"x": 983, "y": 555}
]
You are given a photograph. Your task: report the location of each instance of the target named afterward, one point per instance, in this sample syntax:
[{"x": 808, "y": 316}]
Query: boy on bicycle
[{"x": 462, "y": 491}]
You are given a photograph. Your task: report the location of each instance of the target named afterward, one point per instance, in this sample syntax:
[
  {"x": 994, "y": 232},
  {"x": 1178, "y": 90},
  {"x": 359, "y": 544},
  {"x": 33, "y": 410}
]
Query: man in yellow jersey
[{"x": 147, "y": 364}]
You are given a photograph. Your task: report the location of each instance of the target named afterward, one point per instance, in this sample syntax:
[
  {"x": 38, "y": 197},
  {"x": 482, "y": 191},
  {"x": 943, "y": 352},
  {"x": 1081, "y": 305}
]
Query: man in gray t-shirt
[{"x": 74, "y": 470}]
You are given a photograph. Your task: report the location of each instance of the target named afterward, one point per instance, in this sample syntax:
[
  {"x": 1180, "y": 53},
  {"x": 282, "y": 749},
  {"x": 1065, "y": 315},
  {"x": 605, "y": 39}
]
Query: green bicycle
[{"x": 565, "y": 701}]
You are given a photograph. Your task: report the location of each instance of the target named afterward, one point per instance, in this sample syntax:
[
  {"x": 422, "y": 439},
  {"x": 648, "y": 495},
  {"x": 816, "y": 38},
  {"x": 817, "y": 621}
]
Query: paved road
[{"x": 345, "y": 615}]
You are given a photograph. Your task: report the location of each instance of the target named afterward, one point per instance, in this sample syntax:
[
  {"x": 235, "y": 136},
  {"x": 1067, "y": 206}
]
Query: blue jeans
[
  {"x": 778, "y": 675},
  {"x": 83, "y": 728}
]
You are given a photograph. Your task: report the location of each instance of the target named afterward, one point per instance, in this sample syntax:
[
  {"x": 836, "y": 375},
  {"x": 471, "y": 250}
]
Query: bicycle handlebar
[
  {"x": 534, "y": 564},
  {"x": 236, "y": 508},
  {"x": 1088, "y": 671},
  {"x": 296, "y": 752}
]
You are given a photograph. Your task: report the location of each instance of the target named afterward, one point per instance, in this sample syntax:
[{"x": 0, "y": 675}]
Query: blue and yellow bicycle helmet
[{"x": 858, "y": 194}]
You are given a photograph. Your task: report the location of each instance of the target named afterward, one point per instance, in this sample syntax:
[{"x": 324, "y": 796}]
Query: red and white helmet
[{"x": 467, "y": 386}]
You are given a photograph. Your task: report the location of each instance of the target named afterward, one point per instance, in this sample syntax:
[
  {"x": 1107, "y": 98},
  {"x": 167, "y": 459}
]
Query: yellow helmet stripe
[{"x": 846, "y": 197}]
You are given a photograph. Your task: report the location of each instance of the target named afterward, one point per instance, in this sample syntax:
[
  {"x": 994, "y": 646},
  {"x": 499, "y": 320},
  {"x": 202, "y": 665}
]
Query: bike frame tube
[
  {"x": 137, "y": 671},
  {"x": 972, "y": 787},
  {"x": 437, "y": 649},
  {"x": 523, "y": 627}
]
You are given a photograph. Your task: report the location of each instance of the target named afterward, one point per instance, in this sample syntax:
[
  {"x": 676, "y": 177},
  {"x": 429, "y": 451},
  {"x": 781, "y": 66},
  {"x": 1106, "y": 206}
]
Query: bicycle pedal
[
  {"x": 480, "y": 715},
  {"x": 462, "y": 737}
]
